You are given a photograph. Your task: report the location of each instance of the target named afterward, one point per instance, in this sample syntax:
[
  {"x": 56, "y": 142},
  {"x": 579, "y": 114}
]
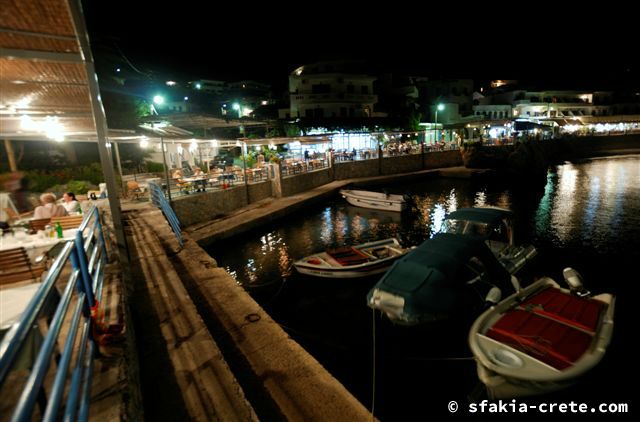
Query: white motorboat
[
  {"x": 374, "y": 200},
  {"x": 351, "y": 262},
  {"x": 542, "y": 338}
]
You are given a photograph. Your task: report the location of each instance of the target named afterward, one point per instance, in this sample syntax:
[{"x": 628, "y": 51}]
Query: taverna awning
[
  {"x": 48, "y": 85},
  {"x": 44, "y": 89}
]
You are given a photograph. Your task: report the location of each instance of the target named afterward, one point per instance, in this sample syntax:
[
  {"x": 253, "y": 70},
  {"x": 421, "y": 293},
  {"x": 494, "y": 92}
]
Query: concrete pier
[{"x": 205, "y": 349}]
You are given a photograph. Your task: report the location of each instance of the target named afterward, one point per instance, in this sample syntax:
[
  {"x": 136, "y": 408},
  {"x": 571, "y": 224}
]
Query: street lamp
[
  {"x": 157, "y": 100},
  {"x": 237, "y": 106},
  {"x": 438, "y": 107}
]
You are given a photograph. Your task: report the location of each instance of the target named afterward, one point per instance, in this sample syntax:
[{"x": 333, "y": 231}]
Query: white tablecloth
[
  {"x": 9, "y": 241},
  {"x": 13, "y": 302}
]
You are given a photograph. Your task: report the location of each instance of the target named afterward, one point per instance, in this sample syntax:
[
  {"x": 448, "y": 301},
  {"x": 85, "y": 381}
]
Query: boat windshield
[{"x": 466, "y": 227}]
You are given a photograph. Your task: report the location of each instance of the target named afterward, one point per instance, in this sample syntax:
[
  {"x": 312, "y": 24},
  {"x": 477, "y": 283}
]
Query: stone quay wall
[{"x": 201, "y": 207}]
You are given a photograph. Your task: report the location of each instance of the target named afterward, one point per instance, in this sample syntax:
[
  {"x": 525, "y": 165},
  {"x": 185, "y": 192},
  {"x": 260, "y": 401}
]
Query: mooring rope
[{"x": 373, "y": 372}]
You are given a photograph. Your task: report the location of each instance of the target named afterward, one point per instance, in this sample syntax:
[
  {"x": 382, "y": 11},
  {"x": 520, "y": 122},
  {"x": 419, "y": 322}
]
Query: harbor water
[{"x": 586, "y": 216}]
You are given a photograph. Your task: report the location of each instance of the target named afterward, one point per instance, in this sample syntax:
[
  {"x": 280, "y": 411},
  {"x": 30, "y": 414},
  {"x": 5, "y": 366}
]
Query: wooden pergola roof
[
  {"x": 191, "y": 121},
  {"x": 48, "y": 85},
  {"x": 42, "y": 71}
]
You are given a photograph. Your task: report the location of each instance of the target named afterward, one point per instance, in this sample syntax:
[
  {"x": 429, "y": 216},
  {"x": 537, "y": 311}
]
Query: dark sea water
[{"x": 587, "y": 216}]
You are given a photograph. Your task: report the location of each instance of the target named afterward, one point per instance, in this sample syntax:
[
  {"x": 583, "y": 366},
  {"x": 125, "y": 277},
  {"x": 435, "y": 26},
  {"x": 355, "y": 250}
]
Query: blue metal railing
[
  {"x": 158, "y": 199},
  {"x": 88, "y": 256}
]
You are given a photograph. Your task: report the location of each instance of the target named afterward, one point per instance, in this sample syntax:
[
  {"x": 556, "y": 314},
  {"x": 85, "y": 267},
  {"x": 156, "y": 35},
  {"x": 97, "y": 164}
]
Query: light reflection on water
[
  {"x": 587, "y": 215},
  {"x": 589, "y": 204}
]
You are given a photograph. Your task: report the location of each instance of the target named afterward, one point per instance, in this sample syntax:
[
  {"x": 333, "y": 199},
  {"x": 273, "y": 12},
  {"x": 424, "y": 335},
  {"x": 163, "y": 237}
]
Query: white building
[
  {"x": 543, "y": 104},
  {"x": 330, "y": 89}
]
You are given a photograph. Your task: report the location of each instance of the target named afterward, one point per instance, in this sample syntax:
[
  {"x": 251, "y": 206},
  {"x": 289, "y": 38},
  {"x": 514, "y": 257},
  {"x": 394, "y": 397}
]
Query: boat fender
[
  {"x": 574, "y": 281},
  {"x": 493, "y": 297},
  {"x": 515, "y": 282}
]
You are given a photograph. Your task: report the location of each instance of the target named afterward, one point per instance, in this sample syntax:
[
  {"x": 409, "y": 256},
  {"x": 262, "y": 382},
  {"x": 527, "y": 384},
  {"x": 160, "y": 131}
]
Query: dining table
[{"x": 34, "y": 244}]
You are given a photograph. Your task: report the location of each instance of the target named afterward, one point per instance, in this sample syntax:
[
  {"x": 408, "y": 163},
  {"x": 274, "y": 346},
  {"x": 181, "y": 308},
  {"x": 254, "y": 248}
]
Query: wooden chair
[
  {"x": 68, "y": 222},
  {"x": 15, "y": 266},
  {"x": 134, "y": 191},
  {"x": 38, "y": 224}
]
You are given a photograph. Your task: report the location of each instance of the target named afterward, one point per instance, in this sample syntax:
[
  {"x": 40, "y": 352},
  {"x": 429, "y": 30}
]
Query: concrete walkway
[
  {"x": 207, "y": 350},
  {"x": 183, "y": 373}
]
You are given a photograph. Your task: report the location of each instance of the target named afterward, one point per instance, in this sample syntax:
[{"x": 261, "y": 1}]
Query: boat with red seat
[
  {"x": 542, "y": 338},
  {"x": 353, "y": 261}
]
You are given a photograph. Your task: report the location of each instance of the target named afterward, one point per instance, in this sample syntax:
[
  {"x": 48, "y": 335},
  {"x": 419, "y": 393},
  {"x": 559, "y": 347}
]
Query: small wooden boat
[
  {"x": 352, "y": 262},
  {"x": 542, "y": 338},
  {"x": 374, "y": 200}
]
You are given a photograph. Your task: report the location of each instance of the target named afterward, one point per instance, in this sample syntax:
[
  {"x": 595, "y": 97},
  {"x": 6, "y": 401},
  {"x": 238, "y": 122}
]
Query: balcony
[{"x": 335, "y": 97}]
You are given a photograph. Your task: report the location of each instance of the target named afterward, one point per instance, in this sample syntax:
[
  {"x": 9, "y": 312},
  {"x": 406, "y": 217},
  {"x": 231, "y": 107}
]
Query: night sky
[{"x": 235, "y": 40}]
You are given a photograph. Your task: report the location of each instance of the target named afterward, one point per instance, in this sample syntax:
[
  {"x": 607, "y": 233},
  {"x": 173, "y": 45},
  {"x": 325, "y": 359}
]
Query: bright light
[
  {"x": 264, "y": 102},
  {"x": 23, "y": 102},
  {"x": 236, "y": 106},
  {"x": 27, "y": 123},
  {"x": 50, "y": 126},
  {"x": 198, "y": 86},
  {"x": 144, "y": 143},
  {"x": 193, "y": 147},
  {"x": 158, "y": 99},
  {"x": 214, "y": 143},
  {"x": 170, "y": 83},
  {"x": 440, "y": 107},
  {"x": 118, "y": 69},
  {"x": 186, "y": 98}
]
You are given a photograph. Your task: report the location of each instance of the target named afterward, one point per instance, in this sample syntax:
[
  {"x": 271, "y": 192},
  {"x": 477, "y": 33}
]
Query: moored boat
[
  {"x": 542, "y": 338},
  {"x": 374, "y": 200},
  {"x": 449, "y": 275},
  {"x": 495, "y": 226},
  {"x": 353, "y": 261},
  {"x": 446, "y": 277}
]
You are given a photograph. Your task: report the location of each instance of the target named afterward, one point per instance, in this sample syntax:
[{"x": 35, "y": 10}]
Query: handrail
[
  {"x": 158, "y": 199},
  {"x": 83, "y": 289}
]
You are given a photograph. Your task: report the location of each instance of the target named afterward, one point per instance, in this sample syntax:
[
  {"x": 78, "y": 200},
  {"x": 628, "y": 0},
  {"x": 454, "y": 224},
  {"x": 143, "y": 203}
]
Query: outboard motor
[{"x": 574, "y": 281}]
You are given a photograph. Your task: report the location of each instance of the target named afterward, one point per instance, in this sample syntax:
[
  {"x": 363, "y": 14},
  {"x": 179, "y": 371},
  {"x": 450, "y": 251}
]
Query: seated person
[
  {"x": 49, "y": 208},
  {"x": 183, "y": 185},
  {"x": 177, "y": 174},
  {"x": 200, "y": 184},
  {"x": 197, "y": 171},
  {"x": 70, "y": 203}
]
